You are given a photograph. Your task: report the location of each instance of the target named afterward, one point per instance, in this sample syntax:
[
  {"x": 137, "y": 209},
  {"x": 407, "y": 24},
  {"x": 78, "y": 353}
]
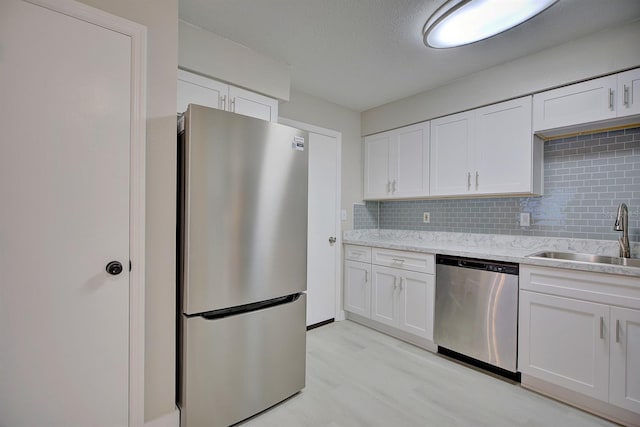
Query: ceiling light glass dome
[{"x": 460, "y": 22}]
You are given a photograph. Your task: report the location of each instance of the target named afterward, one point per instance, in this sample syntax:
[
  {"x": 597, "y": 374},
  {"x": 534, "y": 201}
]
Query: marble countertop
[{"x": 495, "y": 247}]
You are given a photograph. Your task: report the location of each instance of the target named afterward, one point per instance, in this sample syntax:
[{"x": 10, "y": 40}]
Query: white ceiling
[{"x": 365, "y": 53}]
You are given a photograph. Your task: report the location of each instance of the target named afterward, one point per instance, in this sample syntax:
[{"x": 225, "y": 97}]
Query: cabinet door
[
  {"x": 565, "y": 342},
  {"x": 416, "y": 298},
  {"x": 629, "y": 93},
  {"x": 451, "y": 139},
  {"x": 357, "y": 291},
  {"x": 195, "y": 89},
  {"x": 251, "y": 104},
  {"x": 409, "y": 161},
  {"x": 376, "y": 166},
  {"x": 503, "y": 148},
  {"x": 624, "y": 385},
  {"x": 580, "y": 103},
  {"x": 384, "y": 286}
]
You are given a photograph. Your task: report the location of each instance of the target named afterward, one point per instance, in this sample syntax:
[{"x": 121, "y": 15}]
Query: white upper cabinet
[
  {"x": 451, "y": 151},
  {"x": 397, "y": 163},
  {"x": 251, "y": 104},
  {"x": 629, "y": 93},
  {"x": 485, "y": 151},
  {"x": 195, "y": 89},
  {"x": 590, "y": 105},
  {"x": 505, "y": 154},
  {"x": 589, "y": 101},
  {"x": 410, "y": 161},
  {"x": 377, "y": 149}
]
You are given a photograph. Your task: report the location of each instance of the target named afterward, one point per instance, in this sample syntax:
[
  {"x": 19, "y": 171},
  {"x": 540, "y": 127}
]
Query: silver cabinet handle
[
  {"x": 468, "y": 180},
  {"x": 223, "y": 100},
  {"x": 366, "y": 276},
  {"x": 395, "y": 283},
  {"x": 601, "y": 327},
  {"x": 611, "y": 99},
  {"x": 332, "y": 240},
  {"x": 477, "y": 179},
  {"x": 402, "y": 278},
  {"x": 617, "y": 330},
  {"x": 399, "y": 260},
  {"x": 232, "y": 106},
  {"x": 393, "y": 186},
  {"x": 388, "y": 187},
  {"x": 626, "y": 96}
]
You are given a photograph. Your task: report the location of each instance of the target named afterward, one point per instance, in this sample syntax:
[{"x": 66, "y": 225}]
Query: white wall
[
  {"x": 315, "y": 111},
  {"x": 161, "y": 19},
  {"x": 211, "y": 55},
  {"x": 598, "y": 54}
]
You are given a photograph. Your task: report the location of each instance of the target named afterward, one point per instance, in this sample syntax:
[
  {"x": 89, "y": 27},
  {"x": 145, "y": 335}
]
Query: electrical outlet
[
  {"x": 525, "y": 219},
  {"x": 426, "y": 217}
]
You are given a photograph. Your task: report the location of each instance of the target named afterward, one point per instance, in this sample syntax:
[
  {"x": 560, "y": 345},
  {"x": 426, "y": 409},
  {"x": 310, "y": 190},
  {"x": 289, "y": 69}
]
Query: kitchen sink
[{"x": 587, "y": 258}]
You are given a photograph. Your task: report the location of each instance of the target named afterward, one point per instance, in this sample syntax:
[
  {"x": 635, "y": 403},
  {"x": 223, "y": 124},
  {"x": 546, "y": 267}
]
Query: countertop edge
[{"x": 494, "y": 254}]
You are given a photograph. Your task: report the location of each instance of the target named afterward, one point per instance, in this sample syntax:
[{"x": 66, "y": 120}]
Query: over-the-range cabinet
[{"x": 242, "y": 249}]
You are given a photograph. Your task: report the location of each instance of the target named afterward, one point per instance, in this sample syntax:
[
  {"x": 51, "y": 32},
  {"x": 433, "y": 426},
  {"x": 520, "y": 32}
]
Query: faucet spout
[{"x": 622, "y": 224}]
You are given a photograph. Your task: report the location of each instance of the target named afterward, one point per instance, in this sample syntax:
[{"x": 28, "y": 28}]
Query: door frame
[
  {"x": 340, "y": 314},
  {"x": 138, "y": 35}
]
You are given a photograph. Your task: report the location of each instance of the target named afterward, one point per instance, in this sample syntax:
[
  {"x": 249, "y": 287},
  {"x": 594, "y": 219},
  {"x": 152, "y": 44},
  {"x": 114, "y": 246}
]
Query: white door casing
[
  {"x": 72, "y": 185},
  {"x": 324, "y": 275}
]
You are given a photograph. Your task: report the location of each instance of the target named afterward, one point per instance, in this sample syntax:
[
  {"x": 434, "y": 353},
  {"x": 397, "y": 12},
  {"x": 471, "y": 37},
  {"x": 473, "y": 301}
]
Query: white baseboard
[
  {"x": 172, "y": 419},
  {"x": 586, "y": 403},
  {"x": 394, "y": 332}
]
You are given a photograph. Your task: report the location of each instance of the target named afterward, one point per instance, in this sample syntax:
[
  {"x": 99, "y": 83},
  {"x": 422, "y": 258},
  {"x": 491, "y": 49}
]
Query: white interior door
[
  {"x": 64, "y": 186},
  {"x": 321, "y": 253}
]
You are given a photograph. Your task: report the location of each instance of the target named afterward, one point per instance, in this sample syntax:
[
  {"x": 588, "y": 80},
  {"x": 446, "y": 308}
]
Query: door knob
[
  {"x": 114, "y": 268},
  {"x": 332, "y": 240}
]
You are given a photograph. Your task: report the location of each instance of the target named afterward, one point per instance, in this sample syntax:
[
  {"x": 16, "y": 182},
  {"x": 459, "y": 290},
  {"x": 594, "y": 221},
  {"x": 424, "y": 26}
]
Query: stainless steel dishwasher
[{"x": 476, "y": 310}]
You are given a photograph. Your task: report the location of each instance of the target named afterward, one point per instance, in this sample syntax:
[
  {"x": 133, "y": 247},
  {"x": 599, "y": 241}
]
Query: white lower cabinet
[
  {"x": 384, "y": 287},
  {"x": 624, "y": 385},
  {"x": 416, "y": 299},
  {"x": 581, "y": 331},
  {"x": 357, "y": 288},
  {"x": 562, "y": 341},
  {"x": 400, "y": 293}
]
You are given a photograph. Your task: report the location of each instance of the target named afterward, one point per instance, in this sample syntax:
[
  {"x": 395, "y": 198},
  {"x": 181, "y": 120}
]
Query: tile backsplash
[{"x": 586, "y": 177}]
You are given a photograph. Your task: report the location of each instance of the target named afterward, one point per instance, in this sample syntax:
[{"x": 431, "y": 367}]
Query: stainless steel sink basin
[{"x": 587, "y": 258}]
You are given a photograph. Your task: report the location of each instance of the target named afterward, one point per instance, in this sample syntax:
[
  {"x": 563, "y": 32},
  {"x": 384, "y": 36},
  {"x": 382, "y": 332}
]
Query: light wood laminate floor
[{"x": 359, "y": 377}]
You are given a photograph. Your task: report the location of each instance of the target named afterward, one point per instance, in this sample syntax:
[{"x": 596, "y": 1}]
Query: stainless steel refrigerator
[{"x": 242, "y": 265}]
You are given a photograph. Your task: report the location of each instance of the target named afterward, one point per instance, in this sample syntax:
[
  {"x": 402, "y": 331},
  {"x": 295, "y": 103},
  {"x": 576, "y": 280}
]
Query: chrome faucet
[{"x": 622, "y": 224}]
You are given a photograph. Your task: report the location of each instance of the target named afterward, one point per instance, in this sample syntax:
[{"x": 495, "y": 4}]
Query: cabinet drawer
[
  {"x": 357, "y": 253},
  {"x": 414, "y": 261}
]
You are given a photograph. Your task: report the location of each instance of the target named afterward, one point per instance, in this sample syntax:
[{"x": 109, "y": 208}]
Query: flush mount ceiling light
[{"x": 460, "y": 22}]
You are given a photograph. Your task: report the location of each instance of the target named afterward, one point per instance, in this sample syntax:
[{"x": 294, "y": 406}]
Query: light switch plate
[
  {"x": 525, "y": 219},
  {"x": 343, "y": 214}
]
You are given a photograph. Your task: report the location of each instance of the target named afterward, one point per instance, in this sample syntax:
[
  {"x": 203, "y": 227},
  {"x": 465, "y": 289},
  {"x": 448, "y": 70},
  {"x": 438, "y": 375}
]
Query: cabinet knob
[{"x": 332, "y": 240}]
